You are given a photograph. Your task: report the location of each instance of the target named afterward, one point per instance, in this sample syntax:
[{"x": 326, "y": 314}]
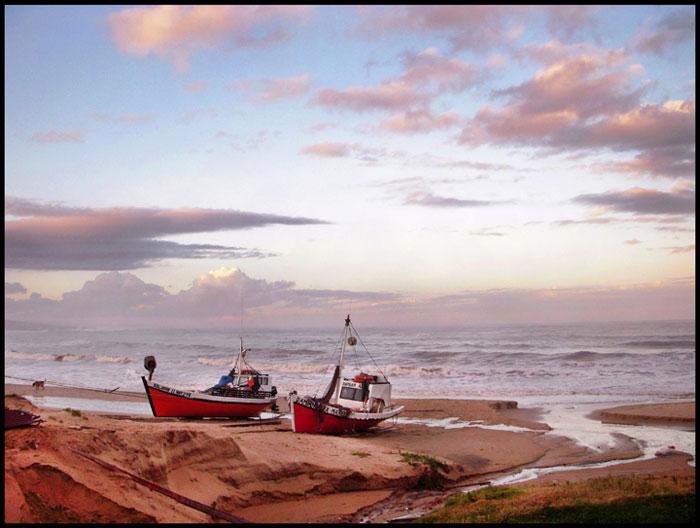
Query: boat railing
[{"x": 228, "y": 392}]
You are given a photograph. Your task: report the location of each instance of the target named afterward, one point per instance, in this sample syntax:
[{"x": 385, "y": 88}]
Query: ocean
[{"x": 532, "y": 364}]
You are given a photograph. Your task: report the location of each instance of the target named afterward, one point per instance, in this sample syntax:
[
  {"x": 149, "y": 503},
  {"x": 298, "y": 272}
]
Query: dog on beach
[{"x": 38, "y": 385}]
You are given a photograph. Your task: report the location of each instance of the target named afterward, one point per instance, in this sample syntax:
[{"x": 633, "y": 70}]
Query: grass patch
[
  {"x": 653, "y": 509},
  {"x": 414, "y": 460},
  {"x": 635, "y": 499},
  {"x": 361, "y": 454},
  {"x": 430, "y": 478},
  {"x": 74, "y": 412}
]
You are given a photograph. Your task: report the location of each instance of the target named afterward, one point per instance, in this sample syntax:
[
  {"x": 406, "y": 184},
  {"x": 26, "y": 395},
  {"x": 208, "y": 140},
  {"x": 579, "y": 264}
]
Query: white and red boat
[
  {"x": 245, "y": 392},
  {"x": 349, "y": 404}
]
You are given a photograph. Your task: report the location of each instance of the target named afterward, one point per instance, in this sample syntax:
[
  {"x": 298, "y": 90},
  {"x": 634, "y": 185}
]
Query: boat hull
[
  {"x": 318, "y": 421},
  {"x": 166, "y": 401}
]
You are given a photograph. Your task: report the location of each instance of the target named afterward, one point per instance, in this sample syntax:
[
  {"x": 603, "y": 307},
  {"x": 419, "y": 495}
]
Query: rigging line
[
  {"x": 335, "y": 351},
  {"x": 370, "y": 355}
]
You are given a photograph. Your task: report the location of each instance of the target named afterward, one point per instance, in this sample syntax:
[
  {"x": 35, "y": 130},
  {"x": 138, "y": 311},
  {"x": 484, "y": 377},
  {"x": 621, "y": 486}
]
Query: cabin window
[{"x": 350, "y": 393}]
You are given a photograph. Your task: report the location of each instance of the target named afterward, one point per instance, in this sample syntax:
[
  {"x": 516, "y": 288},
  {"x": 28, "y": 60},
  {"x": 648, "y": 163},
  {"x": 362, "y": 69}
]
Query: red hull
[
  {"x": 165, "y": 404},
  {"x": 318, "y": 422}
]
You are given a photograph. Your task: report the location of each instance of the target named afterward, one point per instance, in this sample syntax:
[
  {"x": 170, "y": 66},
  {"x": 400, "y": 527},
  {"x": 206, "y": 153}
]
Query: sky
[{"x": 435, "y": 165}]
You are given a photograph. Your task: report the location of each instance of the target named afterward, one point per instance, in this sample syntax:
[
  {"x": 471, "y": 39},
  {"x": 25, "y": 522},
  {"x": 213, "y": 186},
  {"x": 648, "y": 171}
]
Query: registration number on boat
[{"x": 174, "y": 392}]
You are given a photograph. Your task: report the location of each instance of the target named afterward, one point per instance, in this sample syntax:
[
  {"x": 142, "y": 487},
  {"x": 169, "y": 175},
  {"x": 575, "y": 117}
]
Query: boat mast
[{"x": 341, "y": 359}]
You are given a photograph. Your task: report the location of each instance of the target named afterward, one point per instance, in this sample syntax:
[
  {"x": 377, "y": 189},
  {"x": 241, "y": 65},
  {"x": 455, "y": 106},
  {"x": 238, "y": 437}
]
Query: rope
[
  {"x": 336, "y": 350},
  {"x": 370, "y": 355},
  {"x": 165, "y": 491}
]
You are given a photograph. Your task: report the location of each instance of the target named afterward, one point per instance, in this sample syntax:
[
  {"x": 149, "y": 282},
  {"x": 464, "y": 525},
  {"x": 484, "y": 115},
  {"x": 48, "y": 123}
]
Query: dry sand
[{"x": 265, "y": 472}]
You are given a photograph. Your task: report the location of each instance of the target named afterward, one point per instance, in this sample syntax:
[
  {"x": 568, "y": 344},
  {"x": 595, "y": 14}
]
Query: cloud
[
  {"x": 216, "y": 298},
  {"x": 578, "y": 102},
  {"x": 633, "y": 242},
  {"x": 467, "y": 26},
  {"x": 127, "y": 119},
  {"x": 58, "y": 136},
  {"x": 474, "y": 27},
  {"x": 196, "y": 86},
  {"x": 669, "y": 162},
  {"x": 428, "y": 199},
  {"x": 674, "y": 28},
  {"x": 682, "y": 249},
  {"x": 430, "y": 69},
  {"x": 327, "y": 150},
  {"x": 177, "y": 32},
  {"x": 391, "y": 95},
  {"x": 567, "y": 20},
  {"x": 54, "y": 236},
  {"x": 272, "y": 90},
  {"x": 412, "y": 122},
  {"x": 358, "y": 151},
  {"x": 426, "y": 75},
  {"x": 14, "y": 287},
  {"x": 642, "y": 201}
]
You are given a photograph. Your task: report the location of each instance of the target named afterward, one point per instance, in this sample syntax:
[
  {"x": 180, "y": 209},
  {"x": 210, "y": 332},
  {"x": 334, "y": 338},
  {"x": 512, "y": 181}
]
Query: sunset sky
[{"x": 416, "y": 164}]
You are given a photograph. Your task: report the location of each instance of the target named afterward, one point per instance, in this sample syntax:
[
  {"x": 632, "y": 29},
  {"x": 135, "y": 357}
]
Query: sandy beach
[{"x": 265, "y": 472}]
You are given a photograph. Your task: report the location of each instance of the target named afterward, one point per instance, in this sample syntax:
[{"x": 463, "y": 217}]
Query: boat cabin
[
  {"x": 365, "y": 392},
  {"x": 240, "y": 380}
]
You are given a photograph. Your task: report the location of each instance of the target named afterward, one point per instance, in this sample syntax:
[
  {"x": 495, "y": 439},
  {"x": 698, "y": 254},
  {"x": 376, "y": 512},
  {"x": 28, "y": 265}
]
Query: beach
[{"x": 263, "y": 472}]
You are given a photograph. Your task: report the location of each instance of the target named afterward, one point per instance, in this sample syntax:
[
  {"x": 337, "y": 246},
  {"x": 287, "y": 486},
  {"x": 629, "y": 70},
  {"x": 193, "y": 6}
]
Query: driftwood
[{"x": 16, "y": 418}]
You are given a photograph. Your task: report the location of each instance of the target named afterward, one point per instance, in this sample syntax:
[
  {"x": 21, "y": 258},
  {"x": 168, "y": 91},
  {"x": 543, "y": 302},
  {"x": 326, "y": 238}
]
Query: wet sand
[
  {"x": 681, "y": 414},
  {"x": 264, "y": 472}
]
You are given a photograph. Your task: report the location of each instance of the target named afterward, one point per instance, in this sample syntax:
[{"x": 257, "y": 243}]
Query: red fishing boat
[
  {"x": 243, "y": 393},
  {"x": 349, "y": 404}
]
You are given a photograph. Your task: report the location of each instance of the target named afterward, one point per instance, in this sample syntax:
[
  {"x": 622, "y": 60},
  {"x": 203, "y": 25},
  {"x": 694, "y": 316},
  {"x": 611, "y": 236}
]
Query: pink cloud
[
  {"x": 633, "y": 242},
  {"x": 392, "y": 95},
  {"x": 449, "y": 74},
  {"x": 133, "y": 118},
  {"x": 196, "y": 86},
  {"x": 426, "y": 75},
  {"x": 474, "y": 27},
  {"x": 411, "y": 122},
  {"x": 58, "y": 136},
  {"x": 672, "y": 162},
  {"x": 214, "y": 300},
  {"x": 53, "y": 236},
  {"x": 272, "y": 90},
  {"x": 566, "y": 20},
  {"x": 468, "y": 26},
  {"x": 682, "y": 249},
  {"x": 177, "y": 32},
  {"x": 643, "y": 201},
  {"x": 674, "y": 28},
  {"x": 327, "y": 150},
  {"x": 578, "y": 103}
]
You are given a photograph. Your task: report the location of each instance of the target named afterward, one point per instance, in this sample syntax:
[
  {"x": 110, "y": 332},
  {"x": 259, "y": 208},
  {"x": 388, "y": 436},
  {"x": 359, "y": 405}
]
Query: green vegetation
[
  {"x": 74, "y": 412},
  {"x": 431, "y": 477},
  {"x": 414, "y": 459},
  {"x": 361, "y": 454},
  {"x": 655, "y": 509},
  {"x": 637, "y": 499}
]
